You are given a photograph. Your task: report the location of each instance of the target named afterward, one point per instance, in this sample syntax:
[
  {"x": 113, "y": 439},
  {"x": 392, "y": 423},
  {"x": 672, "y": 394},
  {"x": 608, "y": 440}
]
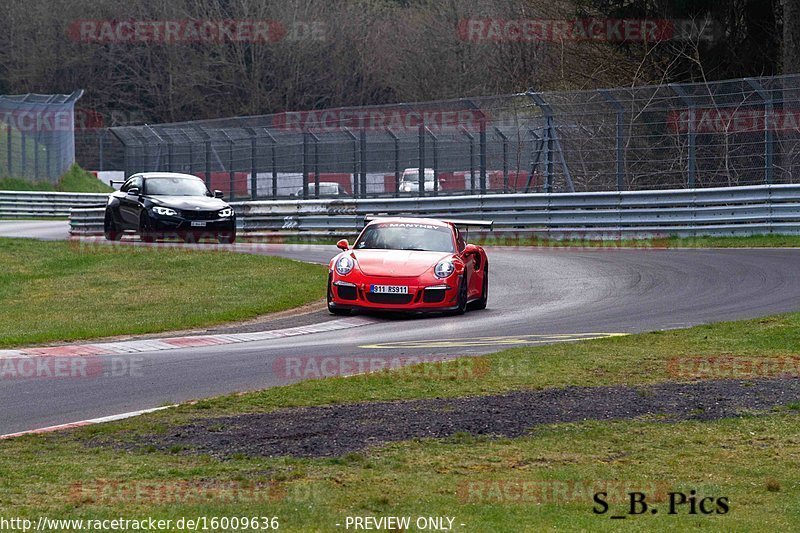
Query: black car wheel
[
  {"x": 226, "y": 238},
  {"x": 462, "y": 296},
  {"x": 110, "y": 228},
  {"x": 334, "y": 310},
  {"x": 145, "y": 229},
  {"x": 481, "y": 302}
]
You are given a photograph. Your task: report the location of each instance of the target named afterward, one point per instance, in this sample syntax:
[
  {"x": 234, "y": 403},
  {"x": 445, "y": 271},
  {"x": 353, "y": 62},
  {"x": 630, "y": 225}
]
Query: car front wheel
[{"x": 110, "y": 228}]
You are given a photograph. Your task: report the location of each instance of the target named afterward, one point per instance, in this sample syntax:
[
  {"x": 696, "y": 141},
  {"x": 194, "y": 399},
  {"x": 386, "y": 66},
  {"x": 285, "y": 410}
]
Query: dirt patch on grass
[{"x": 340, "y": 429}]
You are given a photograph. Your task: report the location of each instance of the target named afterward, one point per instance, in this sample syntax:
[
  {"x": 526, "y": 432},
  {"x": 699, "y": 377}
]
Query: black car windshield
[
  {"x": 406, "y": 236},
  {"x": 175, "y": 187}
]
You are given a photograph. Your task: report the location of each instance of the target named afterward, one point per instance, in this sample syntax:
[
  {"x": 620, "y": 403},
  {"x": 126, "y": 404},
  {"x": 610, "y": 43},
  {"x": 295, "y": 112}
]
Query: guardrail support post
[
  {"x": 620, "y": 147},
  {"x": 769, "y": 135},
  {"x": 691, "y": 135}
]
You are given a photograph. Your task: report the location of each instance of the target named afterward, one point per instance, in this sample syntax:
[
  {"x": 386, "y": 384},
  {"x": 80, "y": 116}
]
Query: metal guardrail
[
  {"x": 33, "y": 204},
  {"x": 729, "y": 211}
]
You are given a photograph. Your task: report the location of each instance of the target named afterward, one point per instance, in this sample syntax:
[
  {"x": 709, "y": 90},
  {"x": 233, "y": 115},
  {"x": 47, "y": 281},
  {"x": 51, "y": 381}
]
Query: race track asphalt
[{"x": 533, "y": 291}]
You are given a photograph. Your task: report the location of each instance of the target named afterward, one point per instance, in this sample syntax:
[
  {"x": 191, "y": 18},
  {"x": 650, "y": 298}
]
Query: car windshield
[
  {"x": 175, "y": 187},
  {"x": 406, "y": 236}
]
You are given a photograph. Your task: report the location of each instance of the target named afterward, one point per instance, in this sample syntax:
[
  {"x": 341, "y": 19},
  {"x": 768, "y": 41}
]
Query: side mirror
[
  {"x": 343, "y": 244},
  {"x": 218, "y": 194},
  {"x": 471, "y": 249},
  {"x": 134, "y": 191}
]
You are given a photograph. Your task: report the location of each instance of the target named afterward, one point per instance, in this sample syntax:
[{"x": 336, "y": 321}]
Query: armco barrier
[
  {"x": 762, "y": 209},
  {"x": 33, "y": 204}
]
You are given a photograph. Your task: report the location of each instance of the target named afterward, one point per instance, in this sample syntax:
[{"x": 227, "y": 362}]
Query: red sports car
[{"x": 409, "y": 264}]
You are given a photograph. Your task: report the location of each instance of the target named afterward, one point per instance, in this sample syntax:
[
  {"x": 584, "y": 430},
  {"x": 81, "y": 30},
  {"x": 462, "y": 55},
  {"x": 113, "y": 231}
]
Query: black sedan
[{"x": 166, "y": 204}]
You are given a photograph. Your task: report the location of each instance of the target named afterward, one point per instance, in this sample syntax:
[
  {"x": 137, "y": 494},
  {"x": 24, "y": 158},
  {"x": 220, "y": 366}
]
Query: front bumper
[
  {"x": 182, "y": 226},
  {"x": 423, "y": 295}
]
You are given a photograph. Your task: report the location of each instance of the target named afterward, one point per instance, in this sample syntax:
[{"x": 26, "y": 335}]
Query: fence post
[
  {"x": 363, "y": 179},
  {"x": 691, "y": 134},
  {"x": 274, "y": 163},
  {"x": 471, "y": 138},
  {"x": 620, "y": 148},
  {"x": 435, "y": 147},
  {"x": 482, "y": 143},
  {"x": 355, "y": 160},
  {"x": 208, "y": 163},
  {"x": 101, "y": 141},
  {"x": 316, "y": 164},
  {"x": 396, "y": 140},
  {"x": 505, "y": 157},
  {"x": 36, "y": 157},
  {"x": 305, "y": 165},
  {"x": 23, "y": 147},
  {"x": 8, "y": 148},
  {"x": 769, "y": 135},
  {"x": 421, "y": 176},
  {"x": 253, "y": 162}
]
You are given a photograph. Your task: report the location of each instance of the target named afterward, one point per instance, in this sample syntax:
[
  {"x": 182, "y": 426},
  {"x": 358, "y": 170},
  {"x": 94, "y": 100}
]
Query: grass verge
[
  {"x": 55, "y": 291},
  {"x": 75, "y": 180},
  {"x": 546, "y": 479}
]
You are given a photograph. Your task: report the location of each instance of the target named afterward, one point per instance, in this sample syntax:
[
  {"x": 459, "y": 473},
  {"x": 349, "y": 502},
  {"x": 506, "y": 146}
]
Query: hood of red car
[{"x": 400, "y": 263}]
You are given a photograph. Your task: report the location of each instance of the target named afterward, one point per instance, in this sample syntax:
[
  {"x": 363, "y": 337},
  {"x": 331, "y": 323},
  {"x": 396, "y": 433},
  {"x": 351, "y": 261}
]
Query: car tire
[
  {"x": 110, "y": 228},
  {"x": 334, "y": 310},
  {"x": 483, "y": 300},
  {"x": 145, "y": 232},
  {"x": 226, "y": 238},
  {"x": 462, "y": 296}
]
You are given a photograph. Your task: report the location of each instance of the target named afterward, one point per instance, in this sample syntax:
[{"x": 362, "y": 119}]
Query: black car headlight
[
  {"x": 227, "y": 212},
  {"x": 165, "y": 211}
]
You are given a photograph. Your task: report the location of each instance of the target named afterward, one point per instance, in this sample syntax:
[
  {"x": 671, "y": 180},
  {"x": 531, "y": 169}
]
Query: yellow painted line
[{"x": 510, "y": 340}]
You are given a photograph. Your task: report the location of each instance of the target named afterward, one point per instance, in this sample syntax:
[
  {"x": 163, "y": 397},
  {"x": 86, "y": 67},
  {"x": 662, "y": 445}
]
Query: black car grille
[
  {"x": 345, "y": 292},
  {"x": 396, "y": 299},
  {"x": 200, "y": 215},
  {"x": 433, "y": 296}
]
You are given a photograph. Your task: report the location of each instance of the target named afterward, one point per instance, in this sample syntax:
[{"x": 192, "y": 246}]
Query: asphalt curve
[{"x": 532, "y": 292}]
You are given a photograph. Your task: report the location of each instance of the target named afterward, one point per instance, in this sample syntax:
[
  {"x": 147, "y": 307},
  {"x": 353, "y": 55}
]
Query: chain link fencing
[
  {"x": 726, "y": 133},
  {"x": 37, "y": 135}
]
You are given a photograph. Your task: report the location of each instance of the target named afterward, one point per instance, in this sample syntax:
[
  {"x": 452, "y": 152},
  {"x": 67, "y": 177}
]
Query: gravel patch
[{"x": 336, "y": 430}]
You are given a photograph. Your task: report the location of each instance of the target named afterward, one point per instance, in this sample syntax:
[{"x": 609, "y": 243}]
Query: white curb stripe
[
  {"x": 176, "y": 343},
  {"x": 82, "y": 423}
]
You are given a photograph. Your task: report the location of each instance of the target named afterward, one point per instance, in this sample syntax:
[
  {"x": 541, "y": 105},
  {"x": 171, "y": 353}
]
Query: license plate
[
  {"x": 198, "y": 224},
  {"x": 388, "y": 289}
]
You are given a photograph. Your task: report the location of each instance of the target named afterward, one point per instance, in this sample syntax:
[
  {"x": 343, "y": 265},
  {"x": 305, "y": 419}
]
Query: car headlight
[
  {"x": 406, "y": 187},
  {"x": 344, "y": 265},
  {"x": 165, "y": 211},
  {"x": 444, "y": 268},
  {"x": 227, "y": 212}
]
